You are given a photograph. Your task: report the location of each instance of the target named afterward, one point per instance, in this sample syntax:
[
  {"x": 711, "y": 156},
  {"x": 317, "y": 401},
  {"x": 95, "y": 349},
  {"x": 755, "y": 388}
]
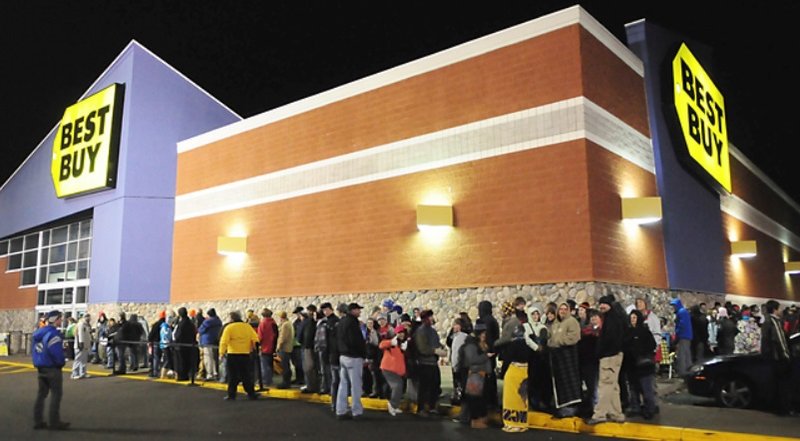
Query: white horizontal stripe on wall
[
  {"x": 748, "y": 214},
  {"x": 550, "y": 124}
]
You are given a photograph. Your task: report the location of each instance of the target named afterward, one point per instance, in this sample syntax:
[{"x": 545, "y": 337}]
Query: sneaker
[
  {"x": 393, "y": 411},
  {"x": 593, "y": 421},
  {"x": 86, "y": 376},
  {"x": 617, "y": 419}
]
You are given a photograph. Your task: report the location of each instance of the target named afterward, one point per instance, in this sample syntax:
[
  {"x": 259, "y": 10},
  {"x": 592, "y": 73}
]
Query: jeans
[
  {"x": 350, "y": 381},
  {"x": 287, "y": 371},
  {"x": 643, "y": 388},
  {"x": 155, "y": 359},
  {"x": 335, "y": 380},
  {"x": 210, "y": 355},
  {"x": 50, "y": 382},
  {"x": 120, "y": 357},
  {"x": 79, "y": 365},
  {"x": 396, "y": 385},
  {"x": 683, "y": 357},
  {"x": 310, "y": 370},
  {"x": 325, "y": 368},
  {"x": 266, "y": 368}
]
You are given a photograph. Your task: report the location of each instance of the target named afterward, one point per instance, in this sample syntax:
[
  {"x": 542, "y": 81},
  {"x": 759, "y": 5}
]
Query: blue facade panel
[
  {"x": 132, "y": 223},
  {"x": 692, "y": 219}
]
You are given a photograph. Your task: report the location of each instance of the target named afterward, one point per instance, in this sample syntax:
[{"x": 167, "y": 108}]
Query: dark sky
[{"x": 257, "y": 55}]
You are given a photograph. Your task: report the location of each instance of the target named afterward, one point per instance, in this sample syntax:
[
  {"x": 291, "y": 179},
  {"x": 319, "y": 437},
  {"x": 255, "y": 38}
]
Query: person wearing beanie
[
  {"x": 48, "y": 358},
  {"x": 185, "y": 336},
  {"x": 609, "y": 352},
  {"x": 153, "y": 342}
]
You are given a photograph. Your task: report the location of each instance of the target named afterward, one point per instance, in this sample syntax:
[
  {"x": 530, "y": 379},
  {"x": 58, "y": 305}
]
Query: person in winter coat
[
  {"x": 101, "y": 341},
  {"x": 540, "y": 389},
  {"x": 185, "y": 336},
  {"x": 428, "y": 350},
  {"x": 210, "y": 330},
  {"x": 640, "y": 345},
  {"x": 457, "y": 337},
  {"x": 609, "y": 351},
  {"x": 285, "y": 348},
  {"x": 699, "y": 318},
  {"x": 352, "y": 352},
  {"x": 486, "y": 317},
  {"x": 268, "y": 339},
  {"x": 726, "y": 333},
  {"x": 565, "y": 333},
  {"x": 310, "y": 364},
  {"x": 48, "y": 358},
  {"x": 683, "y": 335},
  {"x": 83, "y": 345},
  {"x": 775, "y": 348},
  {"x": 393, "y": 366},
  {"x": 167, "y": 363},
  {"x": 153, "y": 346},
  {"x": 587, "y": 355},
  {"x": 476, "y": 359},
  {"x": 237, "y": 342}
]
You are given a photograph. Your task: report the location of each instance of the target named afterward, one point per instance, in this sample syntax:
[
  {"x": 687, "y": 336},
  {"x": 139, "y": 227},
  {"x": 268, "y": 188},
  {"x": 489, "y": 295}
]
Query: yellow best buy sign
[
  {"x": 700, "y": 108},
  {"x": 86, "y": 146}
]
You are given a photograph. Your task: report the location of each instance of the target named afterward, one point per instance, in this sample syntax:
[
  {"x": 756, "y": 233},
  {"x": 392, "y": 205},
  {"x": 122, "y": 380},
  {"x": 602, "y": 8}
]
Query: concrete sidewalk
[{"x": 674, "y": 422}]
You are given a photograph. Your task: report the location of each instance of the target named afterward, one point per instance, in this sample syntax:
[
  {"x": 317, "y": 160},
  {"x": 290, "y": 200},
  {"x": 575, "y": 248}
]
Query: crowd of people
[{"x": 567, "y": 359}]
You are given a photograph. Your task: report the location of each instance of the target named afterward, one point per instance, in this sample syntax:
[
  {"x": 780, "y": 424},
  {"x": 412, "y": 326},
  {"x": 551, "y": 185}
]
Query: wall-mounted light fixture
[
  {"x": 231, "y": 246},
  {"x": 643, "y": 210},
  {"x": 434, "y": 216},
  {"x": 743, "y": 248},
  {"x": 792, "y": 267}
]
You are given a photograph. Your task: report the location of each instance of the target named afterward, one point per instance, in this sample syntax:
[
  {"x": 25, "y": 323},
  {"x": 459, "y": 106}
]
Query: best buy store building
[{"x": 520, "y": 163}]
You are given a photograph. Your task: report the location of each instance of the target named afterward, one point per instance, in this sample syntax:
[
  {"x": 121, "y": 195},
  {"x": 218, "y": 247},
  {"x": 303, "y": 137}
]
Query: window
[
  {"x": 63, "y": 296},
  {"x": 60, "y": 254}
]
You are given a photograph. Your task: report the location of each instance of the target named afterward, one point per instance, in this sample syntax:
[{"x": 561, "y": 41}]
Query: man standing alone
[
  {"x": 609, "y": 351},
  {"x": 775, "y": 348},
  {"x": 48, "y": 357}
]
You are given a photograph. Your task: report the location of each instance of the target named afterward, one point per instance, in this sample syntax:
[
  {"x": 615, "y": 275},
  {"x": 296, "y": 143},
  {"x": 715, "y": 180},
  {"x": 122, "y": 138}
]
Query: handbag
[{"x": 474, "y": 386}]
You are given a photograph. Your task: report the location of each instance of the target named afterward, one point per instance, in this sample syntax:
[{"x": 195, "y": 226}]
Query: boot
[{"x": 480, "y": 423}]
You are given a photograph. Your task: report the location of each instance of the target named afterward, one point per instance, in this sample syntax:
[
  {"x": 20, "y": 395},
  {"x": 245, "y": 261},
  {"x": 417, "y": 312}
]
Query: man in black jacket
[
  {"x": 609, "y": 352},
  {"x": 185, "y": 338},
  {"x": 775, "y": 348},
  {"x": 310, "y": 362},
  {"x": 352, "y": 351}
]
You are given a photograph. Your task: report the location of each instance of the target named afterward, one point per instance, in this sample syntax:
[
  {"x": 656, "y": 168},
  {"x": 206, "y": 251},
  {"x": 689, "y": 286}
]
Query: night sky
[{"x": 257, "y": 55}]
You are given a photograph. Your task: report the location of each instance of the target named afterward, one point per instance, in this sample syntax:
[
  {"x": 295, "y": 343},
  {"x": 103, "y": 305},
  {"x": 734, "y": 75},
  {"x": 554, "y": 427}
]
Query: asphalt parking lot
[{"x": 135, "y": 407}]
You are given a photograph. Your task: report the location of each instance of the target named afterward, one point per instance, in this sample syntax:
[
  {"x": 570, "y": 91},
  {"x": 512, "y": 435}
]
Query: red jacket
[
  {"x": 268, "y": 335},
  {"x": 393, "y": 358}
]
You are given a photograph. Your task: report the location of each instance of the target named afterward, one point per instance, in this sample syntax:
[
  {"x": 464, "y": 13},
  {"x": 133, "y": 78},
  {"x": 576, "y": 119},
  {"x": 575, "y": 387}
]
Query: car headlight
[{"x": 696, "y": 369}]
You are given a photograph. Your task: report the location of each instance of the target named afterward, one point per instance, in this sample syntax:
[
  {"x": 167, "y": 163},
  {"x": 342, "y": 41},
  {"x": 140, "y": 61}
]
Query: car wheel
[{"x": 735, "y": 393}]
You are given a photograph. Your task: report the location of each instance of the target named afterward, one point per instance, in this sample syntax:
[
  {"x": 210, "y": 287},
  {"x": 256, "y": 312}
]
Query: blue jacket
[
  {"x": 48, "y": 347},
  {"x": 683, "y": 321},
  {"x": 209, "y": 331}
]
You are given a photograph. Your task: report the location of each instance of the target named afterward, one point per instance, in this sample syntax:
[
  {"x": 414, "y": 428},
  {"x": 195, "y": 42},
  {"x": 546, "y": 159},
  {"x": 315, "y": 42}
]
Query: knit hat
[
  {"x": 507, "y": 309},
  {"x": 389, "y": 303},
  {"x": 722, "y": 312},
  {"x": 608, "y": 300},
  {"x": 52, "y": 316},
  {"x": 162, "y": 314},
  {"x": 400, "y": 328}
]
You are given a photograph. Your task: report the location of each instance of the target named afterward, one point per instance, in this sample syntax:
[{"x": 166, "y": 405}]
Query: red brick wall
[
  {"x": 11, "y": 297},
  {"x": 762, "y": 275},
  {"x": 755, "y": 192}
]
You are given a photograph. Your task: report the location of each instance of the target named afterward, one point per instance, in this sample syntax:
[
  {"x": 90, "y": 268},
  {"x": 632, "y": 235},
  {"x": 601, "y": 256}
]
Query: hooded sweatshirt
[
  {"x": 683, "y": 320},
  {"x": 492, "y": 327}
]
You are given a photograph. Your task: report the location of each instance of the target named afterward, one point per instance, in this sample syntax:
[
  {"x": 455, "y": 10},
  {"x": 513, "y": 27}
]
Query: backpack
[{"x": 321, "y": 337}]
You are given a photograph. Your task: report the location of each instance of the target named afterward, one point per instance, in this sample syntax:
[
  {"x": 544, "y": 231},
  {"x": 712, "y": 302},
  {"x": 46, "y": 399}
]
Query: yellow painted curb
[{"x": 536, "y": 420}]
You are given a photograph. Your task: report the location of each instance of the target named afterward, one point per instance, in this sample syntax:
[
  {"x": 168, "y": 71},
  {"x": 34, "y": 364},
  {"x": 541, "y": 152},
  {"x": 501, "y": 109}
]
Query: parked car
[{"x": 738, "y": 380}]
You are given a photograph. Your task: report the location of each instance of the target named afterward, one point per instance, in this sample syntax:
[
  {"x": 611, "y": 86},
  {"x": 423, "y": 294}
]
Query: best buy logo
[
  {"x": 700, "y": 108},
  {"x": 86, "y": 145}
]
